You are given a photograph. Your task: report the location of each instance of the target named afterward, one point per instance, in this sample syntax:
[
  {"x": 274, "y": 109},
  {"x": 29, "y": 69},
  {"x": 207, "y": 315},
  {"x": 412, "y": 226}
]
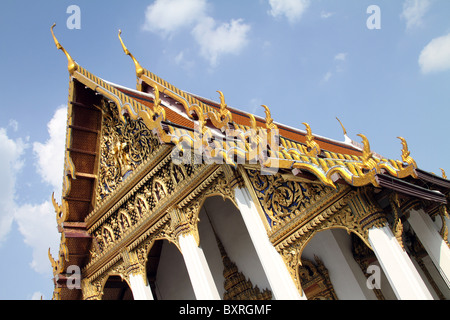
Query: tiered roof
[{"x": 177, "y": 118}]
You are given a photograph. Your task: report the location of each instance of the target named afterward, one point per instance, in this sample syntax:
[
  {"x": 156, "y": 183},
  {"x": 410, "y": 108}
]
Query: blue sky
[{"x": 309, "y": 61}]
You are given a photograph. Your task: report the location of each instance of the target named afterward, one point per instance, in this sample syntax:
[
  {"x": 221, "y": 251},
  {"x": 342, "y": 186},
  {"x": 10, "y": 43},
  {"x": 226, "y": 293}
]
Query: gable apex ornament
[
  {"x": 139, "y": 69},
  {"x": 72, "y": 65}
]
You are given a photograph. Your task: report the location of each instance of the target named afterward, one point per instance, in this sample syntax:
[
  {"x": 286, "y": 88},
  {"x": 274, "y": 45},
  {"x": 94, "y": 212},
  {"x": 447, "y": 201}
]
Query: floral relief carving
[{"x": 124, "y": 146}]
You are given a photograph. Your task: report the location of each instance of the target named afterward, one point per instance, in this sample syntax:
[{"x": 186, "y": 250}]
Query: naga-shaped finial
[
  {"x": 443, "y": 173},
  {"x": 269, "y": 120},
  {"x": 139, "y": 69},
  {"x": 406, "y": 153},
  {"x": 157, "y": 107},
  {"x": 313, "y": 148},
  {"x": 253, "y": 122},
  {"x": 223, "y": 105},
  {"x": 72, "y": 65},
  {"x": 367, "y": 156}
]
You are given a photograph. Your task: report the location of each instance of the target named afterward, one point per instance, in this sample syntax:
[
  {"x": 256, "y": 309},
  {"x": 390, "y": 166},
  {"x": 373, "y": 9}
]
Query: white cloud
[
  {"x": 327, "y": 76},
  {"x": 167, "y": 16},
  {"x": 37, "y": 224},
  {"x": 216, "y": 40},
  {"x": 50, "y": 155},
  {"x": 340, "y": 56},
  {"x": 291, "y": 9},
  {"x": 326, "y": 15},
  {"x": 435, "y": 57},
  {"x": 11, "y": 161},
  {"x": 413, "y": 12}
]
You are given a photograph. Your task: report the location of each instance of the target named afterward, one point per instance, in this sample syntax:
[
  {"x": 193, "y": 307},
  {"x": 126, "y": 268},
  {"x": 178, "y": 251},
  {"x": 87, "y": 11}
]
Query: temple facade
[{"x": 171, "y": 196}]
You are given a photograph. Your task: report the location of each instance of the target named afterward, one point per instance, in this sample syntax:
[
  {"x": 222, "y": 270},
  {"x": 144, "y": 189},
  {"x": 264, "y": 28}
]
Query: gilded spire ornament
[
  {"x": 367, "y": 156},
  {"x": 313, "y": 148},
  {"x": 139, "y": 69},
  {"x": 406, "y": 157},
  {"x": 72, "y": 65},
  {"x": 269, "y": 121},
  {"x": 443, "y": 174}
]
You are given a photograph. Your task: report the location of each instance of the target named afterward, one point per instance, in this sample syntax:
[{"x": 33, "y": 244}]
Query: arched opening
[
  {"x": 167, "y": 274},
  {"x": 116, "y": 289},
  {"x": 351, "y": 268},
  {"x": 231, "y": 256}
]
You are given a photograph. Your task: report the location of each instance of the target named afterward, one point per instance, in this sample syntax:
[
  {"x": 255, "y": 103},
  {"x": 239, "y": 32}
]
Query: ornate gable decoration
[{"x": 123, "y": 147}]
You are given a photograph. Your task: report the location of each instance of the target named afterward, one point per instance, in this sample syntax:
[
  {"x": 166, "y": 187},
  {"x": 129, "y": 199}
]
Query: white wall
[
  {"x": 232, "y": 232},
  {"x": 333, "y": 247},
  {"x": 172, "y": 279}
]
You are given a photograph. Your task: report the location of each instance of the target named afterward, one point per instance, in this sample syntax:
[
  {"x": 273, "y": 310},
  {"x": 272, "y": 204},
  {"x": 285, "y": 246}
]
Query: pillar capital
[
  {"x": 90, "y": 290},
  {"x": 366, "y": 210},
  {"x": 132, "y": 265}
]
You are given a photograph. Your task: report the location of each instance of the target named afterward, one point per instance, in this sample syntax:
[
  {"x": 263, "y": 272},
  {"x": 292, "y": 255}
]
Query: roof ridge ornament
[
  {"x": 139, "y": 69},
  {"x": 367, "y": 156},
  {"x": 346, "y": 137},
  {"x": 72, "y": 65},
  {"x": 313, "y": 148},
  {"x": 269, "y": 121},
  {"x": 443, "y": 173},
  {"x": 406, "y": 153}
]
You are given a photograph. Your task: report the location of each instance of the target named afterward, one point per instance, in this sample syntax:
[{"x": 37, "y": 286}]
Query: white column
[
  {"x": 432, "y": 241},
  {"x": 398, "y": 267},
  {"x": 198, "y": 269},
  {"x": 281, "y": 282},
  {"x": 140, "y": 290}
]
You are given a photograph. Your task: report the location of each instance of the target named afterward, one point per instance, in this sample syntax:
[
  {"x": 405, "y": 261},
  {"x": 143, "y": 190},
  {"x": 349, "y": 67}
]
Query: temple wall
[
  {"x": 229, "y": 226},
  {"x": 172, "y": 279}
]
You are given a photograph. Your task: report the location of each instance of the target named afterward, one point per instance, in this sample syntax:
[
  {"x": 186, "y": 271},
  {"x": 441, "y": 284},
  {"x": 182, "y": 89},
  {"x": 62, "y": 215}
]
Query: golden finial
[
  {"x": 223, "y": 105},
  {"x": 406, "y": 153},
  {"x": 72, "y": 66},
  {"x": 157, "y": 101},
  {"x": 157, "y": 107},
  {"x": 139, "y": 69},
  {"x": 443, "y": 173},
  {"x": 343, "y": 128},
  {"x": 269, "y": 120},
  {"x": 313, "y": 147},
  {"x": 224, "y": 112},
  {"x": 367, "y": 156},
  {"x": 253, "y": 122}
]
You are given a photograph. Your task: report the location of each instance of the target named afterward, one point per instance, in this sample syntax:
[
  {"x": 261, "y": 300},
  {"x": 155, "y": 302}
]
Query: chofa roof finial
[
  {"x": 139, "y": 69},
  {"x": 72, "y": 65}
]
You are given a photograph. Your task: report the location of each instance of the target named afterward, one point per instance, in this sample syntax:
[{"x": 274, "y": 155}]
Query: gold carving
[
  {"x": 124, "y": 146},
  {"x": 313, "y": 148},
  {"x": 316, "y": 281},
  {"x": 283, "y": 200},
  {"x": 397, "y": 227},
  {"x": 406, "y": 154},
  {"x": 223, "y": 117},
  {"x": 443, "y": 173},
  {"x": 269, "y": 121},
  {"x": 368, "y": 161}
]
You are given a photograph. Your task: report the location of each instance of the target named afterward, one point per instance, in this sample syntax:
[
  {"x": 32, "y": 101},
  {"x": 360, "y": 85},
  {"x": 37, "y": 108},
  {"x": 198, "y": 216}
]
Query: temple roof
[{"x": 184, "y": 120}]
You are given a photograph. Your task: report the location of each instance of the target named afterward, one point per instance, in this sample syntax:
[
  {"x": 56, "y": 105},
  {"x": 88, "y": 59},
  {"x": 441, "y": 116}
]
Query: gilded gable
[{"x": 123, "y": 147}]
